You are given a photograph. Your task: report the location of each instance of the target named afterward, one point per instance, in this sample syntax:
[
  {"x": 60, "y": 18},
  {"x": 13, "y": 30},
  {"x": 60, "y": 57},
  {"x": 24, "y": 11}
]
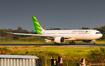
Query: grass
[
  {"x": 63, "y": 51},
  {"x": 68, "y": 50},
  {"x": 73, "y": 54},
  {"x": 20, "y": 42},
  {"x": 70, "y": 54},
  {"x": 39, "y": 42}
]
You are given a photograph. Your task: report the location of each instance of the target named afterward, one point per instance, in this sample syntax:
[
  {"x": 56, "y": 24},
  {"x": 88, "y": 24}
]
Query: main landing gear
[
  {"x": 56, "y": 43},
  {"x": 72, "y": 42}
]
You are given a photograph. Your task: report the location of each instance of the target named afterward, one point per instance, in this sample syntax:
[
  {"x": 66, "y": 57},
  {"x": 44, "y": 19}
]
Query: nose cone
[{"x": 100, "y": 35}]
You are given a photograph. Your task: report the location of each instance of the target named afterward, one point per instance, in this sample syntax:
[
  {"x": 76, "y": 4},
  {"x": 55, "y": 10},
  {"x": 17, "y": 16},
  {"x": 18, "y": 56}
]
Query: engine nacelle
[
  {"x": 59, "y": 39},
  {"x": 87, "y": 41}
]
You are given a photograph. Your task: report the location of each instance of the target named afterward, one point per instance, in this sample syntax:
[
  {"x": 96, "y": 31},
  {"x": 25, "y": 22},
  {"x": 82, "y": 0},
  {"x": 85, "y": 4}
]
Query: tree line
[{"x": 4, "y": 35}]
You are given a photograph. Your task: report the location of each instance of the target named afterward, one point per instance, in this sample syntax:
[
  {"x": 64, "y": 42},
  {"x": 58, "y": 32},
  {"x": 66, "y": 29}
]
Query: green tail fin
[{"x": 37, "y": 26}]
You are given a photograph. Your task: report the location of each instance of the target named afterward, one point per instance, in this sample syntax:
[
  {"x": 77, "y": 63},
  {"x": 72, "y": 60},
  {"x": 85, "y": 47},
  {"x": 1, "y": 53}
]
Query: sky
[{"x": 71, "y": 14}]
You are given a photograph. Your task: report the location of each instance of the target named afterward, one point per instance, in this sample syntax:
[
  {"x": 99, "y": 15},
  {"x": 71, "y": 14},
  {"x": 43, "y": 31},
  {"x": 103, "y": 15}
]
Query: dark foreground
[{"x": 78, "y": 45}]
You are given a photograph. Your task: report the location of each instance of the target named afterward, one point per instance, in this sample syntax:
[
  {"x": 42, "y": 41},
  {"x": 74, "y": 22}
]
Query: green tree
[
  {"x": 97, "y": 55},
  {"x": 85, "y": 28},
  {"x": 102, "y": 30}
]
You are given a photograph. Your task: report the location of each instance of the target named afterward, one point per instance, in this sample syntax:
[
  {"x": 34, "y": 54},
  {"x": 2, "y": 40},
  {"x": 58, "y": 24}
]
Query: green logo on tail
[{"x": 37, "y": 26}]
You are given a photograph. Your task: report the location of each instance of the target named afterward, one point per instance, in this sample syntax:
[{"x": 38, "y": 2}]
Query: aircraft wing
[
  {"x": 38, "y": 35},
  {"x": 30, "y": 34}
]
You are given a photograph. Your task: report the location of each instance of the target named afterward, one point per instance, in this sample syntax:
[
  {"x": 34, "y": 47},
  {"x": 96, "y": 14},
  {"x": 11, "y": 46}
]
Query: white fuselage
[{"x": 74, "y": 34}]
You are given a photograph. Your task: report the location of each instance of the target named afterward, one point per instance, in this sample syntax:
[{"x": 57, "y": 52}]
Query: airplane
[{"x": 60, "y": 36}]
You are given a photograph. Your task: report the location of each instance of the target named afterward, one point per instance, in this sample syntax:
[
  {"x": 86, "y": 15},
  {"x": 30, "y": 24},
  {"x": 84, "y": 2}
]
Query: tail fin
[{"x": 37, "y": 26}]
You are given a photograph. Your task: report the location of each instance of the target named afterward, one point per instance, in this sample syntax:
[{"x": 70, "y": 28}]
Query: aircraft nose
[{"x": 101, "y": 35}]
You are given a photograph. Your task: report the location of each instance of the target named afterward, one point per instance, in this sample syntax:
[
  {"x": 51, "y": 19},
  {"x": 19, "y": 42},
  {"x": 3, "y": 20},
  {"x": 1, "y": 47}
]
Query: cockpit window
[{"x": 98, "y": 33}]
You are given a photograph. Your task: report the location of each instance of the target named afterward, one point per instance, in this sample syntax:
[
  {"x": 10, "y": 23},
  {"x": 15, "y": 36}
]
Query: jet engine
[
  {"x": 59, "y": 39},
  {"x": 87, "y": 41}
]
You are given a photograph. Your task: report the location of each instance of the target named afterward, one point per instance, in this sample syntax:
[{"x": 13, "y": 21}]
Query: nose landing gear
[{"x": 94, "y": 42}]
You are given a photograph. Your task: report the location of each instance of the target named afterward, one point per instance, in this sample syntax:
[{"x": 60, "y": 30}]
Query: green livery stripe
[
  {"x": 37, "y": 26},
  {"x": 39, "y": 32}
]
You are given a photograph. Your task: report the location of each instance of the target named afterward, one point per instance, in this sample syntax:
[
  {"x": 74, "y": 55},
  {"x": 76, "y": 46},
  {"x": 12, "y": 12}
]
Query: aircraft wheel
[
  {"x": 69, "y": 42},
  {"x": 94, "y": 43},
  {"x": 56, "y": 43},
  {"x": 73, "y": 42}
]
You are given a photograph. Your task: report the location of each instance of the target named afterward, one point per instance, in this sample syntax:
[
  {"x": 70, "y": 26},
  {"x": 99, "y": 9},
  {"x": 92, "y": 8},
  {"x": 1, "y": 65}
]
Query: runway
[{"x": 76, "y": 45}]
